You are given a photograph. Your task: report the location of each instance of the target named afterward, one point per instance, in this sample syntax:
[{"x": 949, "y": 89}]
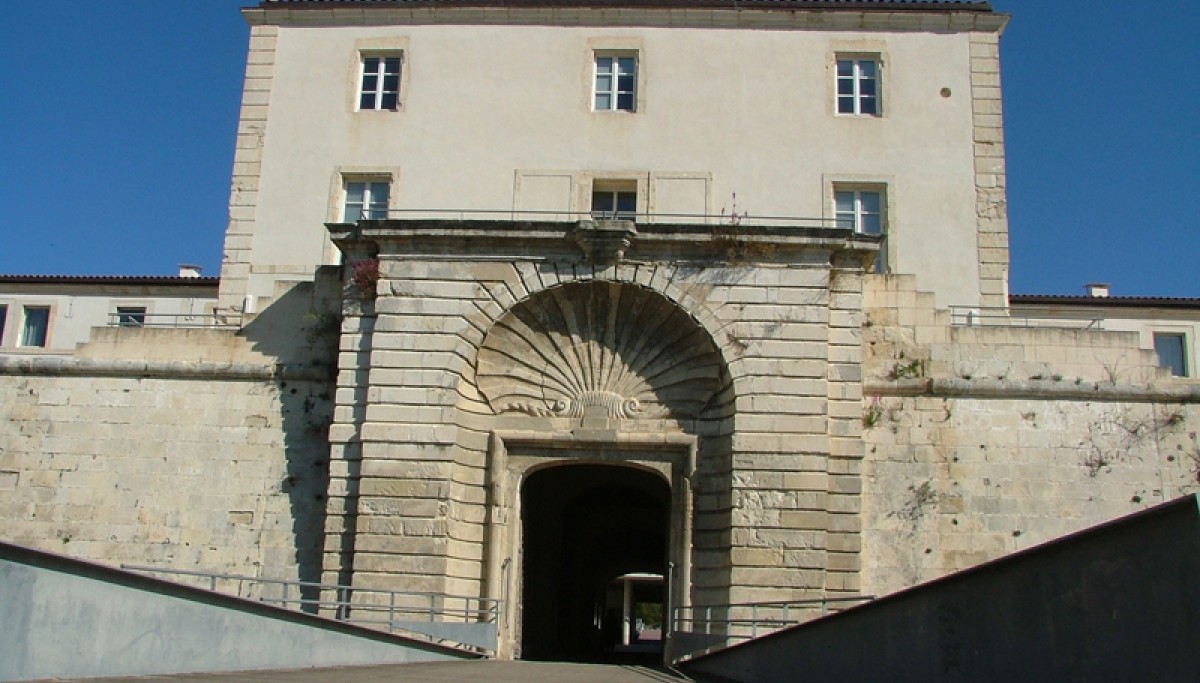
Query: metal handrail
[
  {"x": 755, "y": 621},
  {"x": 722, "y": 218},
  {"x": 999, "y": 316},
  {"x": 400, "y": 606},
  {"x": 175, "y": 320}
]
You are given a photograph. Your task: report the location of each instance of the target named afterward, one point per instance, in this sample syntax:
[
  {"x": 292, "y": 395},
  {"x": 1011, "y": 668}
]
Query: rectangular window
[
  {"x": 36, "y": 327},
  {"x": 861, "y": 210},
  {"x": 1172, "y": 352},
  {"x": 611, "y": 202},
  {"x": 3, "y": 319},
  {"x": 366, "y": 199},
  {"x": 380, "y": 85},
  {"x": 131, "y": 316},
  {"x": 858, "y": 87},
  {"x": 616, "y": 83}
]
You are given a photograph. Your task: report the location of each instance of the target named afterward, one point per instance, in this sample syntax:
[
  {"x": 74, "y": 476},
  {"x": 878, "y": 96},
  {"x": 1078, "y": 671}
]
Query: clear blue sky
[{"x": 118, "y": 118}]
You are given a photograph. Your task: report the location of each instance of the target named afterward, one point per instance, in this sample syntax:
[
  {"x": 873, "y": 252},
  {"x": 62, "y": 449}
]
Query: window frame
[
  {"x": 617, "y": 188},
  {"x": 131, "y": 316},
  {"x": 369, "y": 207},
  {"x": 859, "y": 212},
  {"x": 3, "y": 322},
  {"x": 615, "y": 92},
  {"x": 379, "y": 92},
  {"x": 1182, "y": 339},
  {"x": 856, "y": 80},
  {"x": 860, "y": 186},
  {"x": 23, "y": 339}
]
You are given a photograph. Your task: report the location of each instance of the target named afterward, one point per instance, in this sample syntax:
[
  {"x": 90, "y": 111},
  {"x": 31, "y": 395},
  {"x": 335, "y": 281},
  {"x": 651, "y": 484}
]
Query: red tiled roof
[
  {"x": 885, "y": 5},
  {"x": 109, "y": 280},
  {"x": 1102, "y": 301}
]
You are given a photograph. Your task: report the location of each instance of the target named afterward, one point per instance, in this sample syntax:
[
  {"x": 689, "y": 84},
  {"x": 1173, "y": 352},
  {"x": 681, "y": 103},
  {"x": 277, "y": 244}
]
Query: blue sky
[{"x": 118, "y": 118}]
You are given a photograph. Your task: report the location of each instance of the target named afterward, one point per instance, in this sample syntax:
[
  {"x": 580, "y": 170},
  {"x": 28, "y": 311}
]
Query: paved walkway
[{"x": 484, "y": 671}]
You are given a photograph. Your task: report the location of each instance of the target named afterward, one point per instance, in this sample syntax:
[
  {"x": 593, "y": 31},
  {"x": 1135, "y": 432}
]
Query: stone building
[{"x": 707, "y": 294}]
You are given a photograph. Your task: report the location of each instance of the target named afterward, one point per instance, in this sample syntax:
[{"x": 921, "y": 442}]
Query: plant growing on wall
[{"x": 364, "y": 276}]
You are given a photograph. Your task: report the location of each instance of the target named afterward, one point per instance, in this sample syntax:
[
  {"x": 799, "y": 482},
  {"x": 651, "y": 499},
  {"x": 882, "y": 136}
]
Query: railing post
[
  {"x": 754, "y": 621},
  {"x": 287, "y": 594},
  {"x": 392, "y": 610},
  {"x": 785, "y": 614}
]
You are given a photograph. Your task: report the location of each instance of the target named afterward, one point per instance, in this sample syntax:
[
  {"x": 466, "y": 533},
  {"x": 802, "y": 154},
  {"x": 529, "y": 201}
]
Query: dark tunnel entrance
[{"x": 595, "y": 541}]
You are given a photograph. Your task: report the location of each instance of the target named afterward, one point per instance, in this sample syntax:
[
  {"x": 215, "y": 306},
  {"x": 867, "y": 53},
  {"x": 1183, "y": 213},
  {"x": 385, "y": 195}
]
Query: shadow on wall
[{"x": 300, "y": 329}]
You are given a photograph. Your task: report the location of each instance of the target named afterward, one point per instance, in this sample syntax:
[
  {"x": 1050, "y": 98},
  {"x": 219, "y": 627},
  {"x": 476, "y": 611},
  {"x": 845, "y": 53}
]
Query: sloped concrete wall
[
  {"x": 68, "y": 619},
  {"x": 1115, "y": 603}
]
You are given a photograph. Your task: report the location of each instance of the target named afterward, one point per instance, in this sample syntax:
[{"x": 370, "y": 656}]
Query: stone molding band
[
  {"x": 1062, "y": 390},
  {"x": 54, "y": 366}
]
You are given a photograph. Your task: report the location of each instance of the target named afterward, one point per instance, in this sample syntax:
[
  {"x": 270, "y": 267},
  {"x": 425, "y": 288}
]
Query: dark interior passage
[{"x": 584, "y": 526}]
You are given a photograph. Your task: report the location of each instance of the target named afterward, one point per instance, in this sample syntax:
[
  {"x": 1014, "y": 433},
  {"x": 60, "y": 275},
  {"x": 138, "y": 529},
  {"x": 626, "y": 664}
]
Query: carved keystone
[{"x": 604, "y": 241}]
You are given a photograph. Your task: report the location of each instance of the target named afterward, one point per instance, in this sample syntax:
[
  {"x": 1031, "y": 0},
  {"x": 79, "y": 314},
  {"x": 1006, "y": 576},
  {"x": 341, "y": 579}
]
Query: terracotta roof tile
[
  {"x": 109, "y": 280},
  {"x": 1102, "y": 301}
]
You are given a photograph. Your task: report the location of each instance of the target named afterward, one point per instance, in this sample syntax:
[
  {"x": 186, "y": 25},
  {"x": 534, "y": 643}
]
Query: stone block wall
[
  {"x": 212, "y": 474},
  {"x": 981, "y": 441},
  {"x": 195, "y": 449},
  {"x": 777, "y": 490}
]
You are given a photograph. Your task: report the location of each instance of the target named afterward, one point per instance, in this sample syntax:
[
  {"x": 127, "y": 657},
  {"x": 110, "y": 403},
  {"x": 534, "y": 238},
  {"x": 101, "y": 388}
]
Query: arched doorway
[{"x": 586, "y": 528}]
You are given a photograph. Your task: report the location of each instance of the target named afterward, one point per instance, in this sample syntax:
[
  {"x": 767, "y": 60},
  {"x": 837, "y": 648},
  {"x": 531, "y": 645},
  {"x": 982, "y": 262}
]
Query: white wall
[
  {"x": 742, "y": 111},
  {"x": 75, "y": 311}
]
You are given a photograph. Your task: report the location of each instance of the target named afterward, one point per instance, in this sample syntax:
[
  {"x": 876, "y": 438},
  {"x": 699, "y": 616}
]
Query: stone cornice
[
  {"x": 910, "y": 19},
  {"x": 706, "y": 244}
]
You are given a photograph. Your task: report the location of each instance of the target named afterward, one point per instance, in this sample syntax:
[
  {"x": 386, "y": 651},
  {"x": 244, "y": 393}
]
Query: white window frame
[
  {"x": 371, "y": 207},
  {"x": 855, "y": 80},
  {"x": 380, "y": 74},
  {"x": 614, "y": 92},
  {"x": 855, "y": 218},
  {"x": 23, "y": 332},
  {"x": 1182, "y": 338}
]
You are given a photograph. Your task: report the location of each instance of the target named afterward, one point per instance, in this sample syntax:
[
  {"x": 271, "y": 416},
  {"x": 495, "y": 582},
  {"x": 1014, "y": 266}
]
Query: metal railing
[
  {"x": 175, "y": 320},
  {"x": 704, "y": 629},
  {"x": 466, "y": 622},
  {"x": 568, "y": 216},
  {"x": 983, "y": 316}
]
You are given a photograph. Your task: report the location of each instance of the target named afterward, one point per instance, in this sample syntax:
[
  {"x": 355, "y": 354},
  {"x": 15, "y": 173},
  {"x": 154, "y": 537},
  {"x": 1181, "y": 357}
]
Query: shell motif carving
[{"x": 598, "y": 348}]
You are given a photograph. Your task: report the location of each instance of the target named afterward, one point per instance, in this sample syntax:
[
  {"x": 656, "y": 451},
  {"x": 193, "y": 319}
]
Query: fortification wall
[
  {"x": 203, "y": 450},
  {"x": 981, "y": 441}
]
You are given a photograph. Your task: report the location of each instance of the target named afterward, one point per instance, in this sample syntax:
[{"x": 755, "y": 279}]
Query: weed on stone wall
[
  {"x": 1113, "y": 439},
  {"x": 872, "y": 414},
  {"x": 920, "y": 500},
  {"x": 911, "y": 369}
]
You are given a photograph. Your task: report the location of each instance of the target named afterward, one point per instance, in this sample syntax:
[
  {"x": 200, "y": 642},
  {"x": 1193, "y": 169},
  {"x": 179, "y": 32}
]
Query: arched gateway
[
  {"x": 576, "y": 419},
  {"x": 568, "y": 365}
]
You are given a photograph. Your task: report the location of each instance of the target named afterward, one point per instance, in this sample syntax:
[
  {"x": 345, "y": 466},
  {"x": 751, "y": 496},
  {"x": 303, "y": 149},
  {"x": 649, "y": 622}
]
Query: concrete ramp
[
  {"x": 1118, "y": 602},
  {"x": 65, "y": 618}
]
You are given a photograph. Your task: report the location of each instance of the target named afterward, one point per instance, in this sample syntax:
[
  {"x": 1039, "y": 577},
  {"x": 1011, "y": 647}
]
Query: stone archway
[{"x": 591, "y": 374}]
